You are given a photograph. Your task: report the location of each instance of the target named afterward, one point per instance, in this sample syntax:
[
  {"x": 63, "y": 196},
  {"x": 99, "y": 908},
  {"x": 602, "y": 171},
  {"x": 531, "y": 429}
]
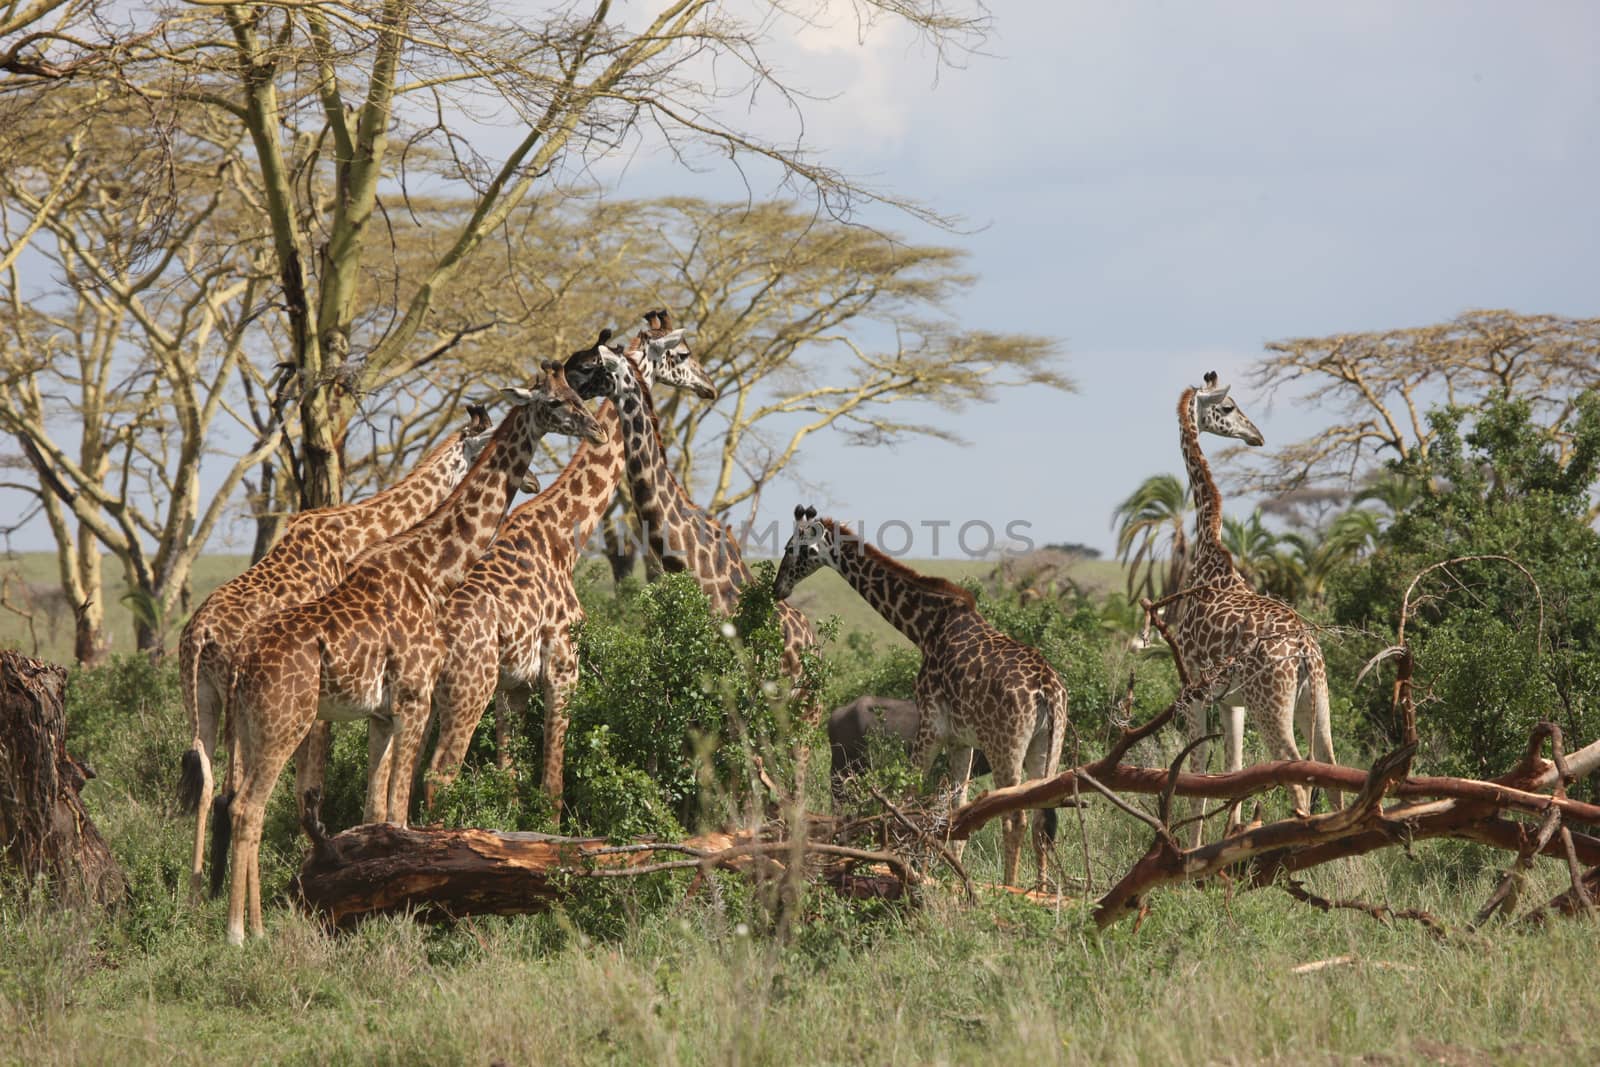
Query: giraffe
[
  {"x": 977, "y": 687},
  {"x": 681, "y": 534},
  {"x": 370, "y": 648},
  {"x": 509, "y": 623},
  {"x": 312, "y": 556},
  {"x": 1281, "y": 678}
]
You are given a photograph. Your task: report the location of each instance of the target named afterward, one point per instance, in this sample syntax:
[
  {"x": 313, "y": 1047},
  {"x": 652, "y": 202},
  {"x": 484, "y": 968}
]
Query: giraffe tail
[
  {"x": 193, "y": 769},
  {"x": 1055, "y": 710},
  {"x": 221, "y": 840},
  {"x": 221, "y": 808}
]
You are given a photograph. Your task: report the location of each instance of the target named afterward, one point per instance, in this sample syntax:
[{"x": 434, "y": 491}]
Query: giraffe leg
[
  {"x": 1312, "y": 715},
  {"x": 411, "y": 708},
  {"x": 510, "y": 714},
  {"x": 1196, "y": 806},
  {"x": 1008, "y": 772},
  {"x": 1037, "y": 764},
  {"x": 311, "y": 762},
  {"x": 208, "y": 711},
  {"x": 960, "y": 777},
  {"x": 460, "y": 697},
  {"x": 1233, "y": 747},
  {"x": 1272, "y": 701},
  {"x": 560, "y": 676},
  {"x": 380, "y": 762},
  {"x": 263, "y": 764}
]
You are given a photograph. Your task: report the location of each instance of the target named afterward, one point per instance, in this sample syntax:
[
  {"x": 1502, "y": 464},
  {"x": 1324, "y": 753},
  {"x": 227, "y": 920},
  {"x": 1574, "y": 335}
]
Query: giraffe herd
[{"x": 428, "y": 601}]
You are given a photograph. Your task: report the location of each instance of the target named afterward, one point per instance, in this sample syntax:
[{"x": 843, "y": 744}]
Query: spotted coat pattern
[
  {"x": 509, "y": 624},
  {"x": 977, "y": 687},
  {"x": 683, "y": 535},
  {"x": 312, "y": 556},
  {"x": 371, "y": 647},
  {"x": 1279, "y": 675}
]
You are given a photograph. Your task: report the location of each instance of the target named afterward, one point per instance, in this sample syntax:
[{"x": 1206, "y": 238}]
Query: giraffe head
[
  {"x": 658, "y": 354},
  {"x": 810, "y": 548},
  {"x": 661, "y": 349},
  {"x": 475, "y": 436},
  {"x": 1216, "y": 413},
  {"x": 556, "y": 407}
]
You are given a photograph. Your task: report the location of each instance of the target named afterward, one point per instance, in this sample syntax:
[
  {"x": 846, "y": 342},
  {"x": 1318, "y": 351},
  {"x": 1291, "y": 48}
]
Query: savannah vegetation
[{"x": 245, "y": 269}]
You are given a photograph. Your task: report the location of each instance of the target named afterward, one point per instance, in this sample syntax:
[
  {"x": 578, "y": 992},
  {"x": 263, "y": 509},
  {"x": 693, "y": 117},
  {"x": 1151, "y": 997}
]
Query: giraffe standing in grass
[
  {"x": 371, "y": 647},
  {"x": 509, "y": 623},
  {"x": 977, "y": 687},
  {"x": 1281, "y": 678},
  {"x": 681, "y": 534},
  {"x": 313, "y": 555}
]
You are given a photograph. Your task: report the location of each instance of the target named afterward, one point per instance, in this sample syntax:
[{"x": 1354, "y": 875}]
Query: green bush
[
  {"x": 1493, "y": 657},
  {"x": 672, "y": 703}
]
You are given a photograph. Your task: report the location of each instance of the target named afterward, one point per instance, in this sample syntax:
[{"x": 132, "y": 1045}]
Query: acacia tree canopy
[{"x": 1377, "y": 387}]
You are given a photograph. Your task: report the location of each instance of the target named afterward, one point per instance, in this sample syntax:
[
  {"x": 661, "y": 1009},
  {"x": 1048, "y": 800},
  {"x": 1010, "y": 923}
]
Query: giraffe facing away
[
  {"x": 681, "y": 534},
  {"x": 977, "y": 687},
  {"x": 311, "y": 557},
  {"x": 1280, "y": 675},
  {"x": 371, "y": 647},
  {"x": 510, "y": 622}
]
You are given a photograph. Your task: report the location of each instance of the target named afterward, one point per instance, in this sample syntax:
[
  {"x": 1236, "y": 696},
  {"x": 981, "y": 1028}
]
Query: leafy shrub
[
  {"x": 672, "y": 703},
  {"x": 1491, "y": 658}
]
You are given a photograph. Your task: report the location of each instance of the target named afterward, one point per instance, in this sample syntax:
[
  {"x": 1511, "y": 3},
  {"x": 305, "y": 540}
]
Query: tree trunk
[
  {"x": 380, "y": 868},
  {"x": 48, "y": 836},
  {"x": 89, "y": 644}
]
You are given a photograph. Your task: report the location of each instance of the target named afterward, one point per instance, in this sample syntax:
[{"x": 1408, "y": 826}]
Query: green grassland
[{"x": 640, "y": 972}]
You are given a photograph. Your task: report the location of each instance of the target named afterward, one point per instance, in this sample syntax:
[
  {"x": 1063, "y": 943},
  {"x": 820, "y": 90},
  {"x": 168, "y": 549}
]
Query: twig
[
  {"x": 923, "y": 835},
  {"x": 1381, "y": 912}
]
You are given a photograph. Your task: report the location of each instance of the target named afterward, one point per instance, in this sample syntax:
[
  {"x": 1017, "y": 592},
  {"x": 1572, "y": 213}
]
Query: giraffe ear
[{"x": 517, "y": 394}]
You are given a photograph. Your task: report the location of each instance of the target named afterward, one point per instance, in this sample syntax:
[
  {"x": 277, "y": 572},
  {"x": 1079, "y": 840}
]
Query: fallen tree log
[
  {"x": 442, "y": 874},
  {"x": 1431, "y": 807},
  {"x": 44, "y": 831},
  {"x": 1517, "y": 790}
]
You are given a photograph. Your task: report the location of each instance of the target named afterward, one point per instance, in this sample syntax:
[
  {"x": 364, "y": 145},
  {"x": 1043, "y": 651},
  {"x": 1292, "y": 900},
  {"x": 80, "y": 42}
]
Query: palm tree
[
  {"x": 1275, "y": 564},
  {"x": 1150, "y": 523}
]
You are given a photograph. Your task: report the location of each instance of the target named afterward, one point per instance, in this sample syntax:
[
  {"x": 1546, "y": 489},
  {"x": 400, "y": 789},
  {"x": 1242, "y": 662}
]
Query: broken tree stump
[{"x": 44, "y": 831}]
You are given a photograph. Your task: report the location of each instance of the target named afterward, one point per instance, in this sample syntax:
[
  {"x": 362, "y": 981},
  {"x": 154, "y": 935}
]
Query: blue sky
[{"x": 1167, "y": 186}]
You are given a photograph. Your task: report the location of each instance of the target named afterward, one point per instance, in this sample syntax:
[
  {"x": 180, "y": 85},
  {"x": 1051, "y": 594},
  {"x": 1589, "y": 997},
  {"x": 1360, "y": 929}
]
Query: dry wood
[
  {"x": 46, "y": 833},
  {"x": 441, "y": 874}
]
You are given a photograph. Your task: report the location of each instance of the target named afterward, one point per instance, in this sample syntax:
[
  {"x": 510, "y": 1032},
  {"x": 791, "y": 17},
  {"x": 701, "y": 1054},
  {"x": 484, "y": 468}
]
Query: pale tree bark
[
  {"x": 132, "y": 355},
  {"x": 319, "y": 90}
]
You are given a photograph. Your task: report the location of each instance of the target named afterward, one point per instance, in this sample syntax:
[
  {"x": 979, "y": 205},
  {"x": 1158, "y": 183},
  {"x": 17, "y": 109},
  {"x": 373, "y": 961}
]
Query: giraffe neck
[
  {"x": 458, "y": 531},
  {"x": 681, "y": 533},
  {"x": 574, "y": 504},
  {"x": 1210, "y": 562},
  {"x": 915, "y": 604},
  {"x": 396, "y": 509}
]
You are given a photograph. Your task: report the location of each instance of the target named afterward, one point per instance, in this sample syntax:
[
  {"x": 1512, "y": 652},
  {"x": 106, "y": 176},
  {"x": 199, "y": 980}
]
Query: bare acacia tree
[
  {"x": 806, "y": 324},
  {"x": 116, "y": 371},
  {"x": 320, "y": 87},
  {"x": 1378, "y": 387}
]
